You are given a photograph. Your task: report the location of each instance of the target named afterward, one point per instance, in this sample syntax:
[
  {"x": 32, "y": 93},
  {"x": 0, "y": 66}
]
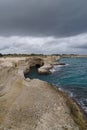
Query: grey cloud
[
  {"x": 43, "y": 18},
  {"x": 46, "y": 45},
  {"x": 4, "y": 47},
  {"x": 83, "y": 46}
]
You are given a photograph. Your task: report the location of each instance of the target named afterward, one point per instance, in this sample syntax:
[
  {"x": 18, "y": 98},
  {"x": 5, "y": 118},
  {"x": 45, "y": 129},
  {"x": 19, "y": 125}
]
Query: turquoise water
[{"x": 71, "y": 77}]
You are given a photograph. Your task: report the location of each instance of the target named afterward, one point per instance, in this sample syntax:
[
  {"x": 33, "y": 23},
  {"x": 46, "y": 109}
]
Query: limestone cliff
[{"x": 34, "y": 104}]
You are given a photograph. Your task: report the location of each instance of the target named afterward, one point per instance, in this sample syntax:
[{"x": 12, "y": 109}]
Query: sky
[{"x": 43, "y": 26}]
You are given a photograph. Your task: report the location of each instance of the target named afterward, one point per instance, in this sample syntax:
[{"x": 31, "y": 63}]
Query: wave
[
  {"x": 57, "y": 68},
  {"x": 82, "y": 102}
]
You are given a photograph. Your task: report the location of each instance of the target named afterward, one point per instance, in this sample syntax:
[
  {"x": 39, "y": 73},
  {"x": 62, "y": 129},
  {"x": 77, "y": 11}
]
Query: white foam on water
[
  {"x": 52, "y": 70},
  {"x": 67, "y": 65},
  {"x": 71, "y": 94},
  {"x": 81, "y": 103},
  {"x": 60, "y": 89},
  {"x": 57, "y": 68}
]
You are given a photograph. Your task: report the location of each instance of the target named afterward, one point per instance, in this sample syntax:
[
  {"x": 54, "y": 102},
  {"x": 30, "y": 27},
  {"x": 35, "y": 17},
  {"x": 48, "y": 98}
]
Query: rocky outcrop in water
[
  {"x": 49, "y": 62},
  {"x": 45, "y": 69}
]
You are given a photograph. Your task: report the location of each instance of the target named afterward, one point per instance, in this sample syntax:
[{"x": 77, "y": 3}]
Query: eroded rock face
[
  {"x": 33, "y": 62},
  {"x": 31, "y": 104},
  {"x": 45, "y": 69},
  {"x": 48, "y": 64}
]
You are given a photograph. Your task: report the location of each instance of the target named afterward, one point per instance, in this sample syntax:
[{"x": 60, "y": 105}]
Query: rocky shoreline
[{"x": 27, "y": 104}]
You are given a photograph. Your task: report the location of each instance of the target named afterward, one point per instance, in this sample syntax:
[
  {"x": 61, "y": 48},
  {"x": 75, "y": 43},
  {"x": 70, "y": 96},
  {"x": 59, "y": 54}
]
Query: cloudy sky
[{"x": 43, "y": 26}]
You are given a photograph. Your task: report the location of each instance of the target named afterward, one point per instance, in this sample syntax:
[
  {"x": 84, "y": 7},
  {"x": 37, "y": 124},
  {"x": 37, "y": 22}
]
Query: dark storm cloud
[
  {"x": 43, "y": 26},
  {"x": 43, "y": 17}
]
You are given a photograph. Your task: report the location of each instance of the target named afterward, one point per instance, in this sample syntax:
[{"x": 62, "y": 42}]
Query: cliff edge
[{"x": 34, "y": 104}]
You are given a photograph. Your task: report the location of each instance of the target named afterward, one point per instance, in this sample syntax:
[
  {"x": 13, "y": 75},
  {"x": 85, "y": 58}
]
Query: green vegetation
[
  {"x": 1, "y": 55},
  {"x": 19, "y": 55},
  {"x": 33, "y": 54}
]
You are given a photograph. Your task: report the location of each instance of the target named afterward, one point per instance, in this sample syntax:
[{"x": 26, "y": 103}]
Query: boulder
[
  {"x": 27, "y": 79},
  {"x": 45, "y": 69}
]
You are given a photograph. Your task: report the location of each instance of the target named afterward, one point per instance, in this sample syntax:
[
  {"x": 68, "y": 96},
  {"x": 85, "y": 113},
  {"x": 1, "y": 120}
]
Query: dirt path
[{"x": 38, "y": 107}]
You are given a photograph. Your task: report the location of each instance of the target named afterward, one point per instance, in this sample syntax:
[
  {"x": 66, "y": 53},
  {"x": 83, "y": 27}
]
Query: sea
[{"x": 71, "y": 78}]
